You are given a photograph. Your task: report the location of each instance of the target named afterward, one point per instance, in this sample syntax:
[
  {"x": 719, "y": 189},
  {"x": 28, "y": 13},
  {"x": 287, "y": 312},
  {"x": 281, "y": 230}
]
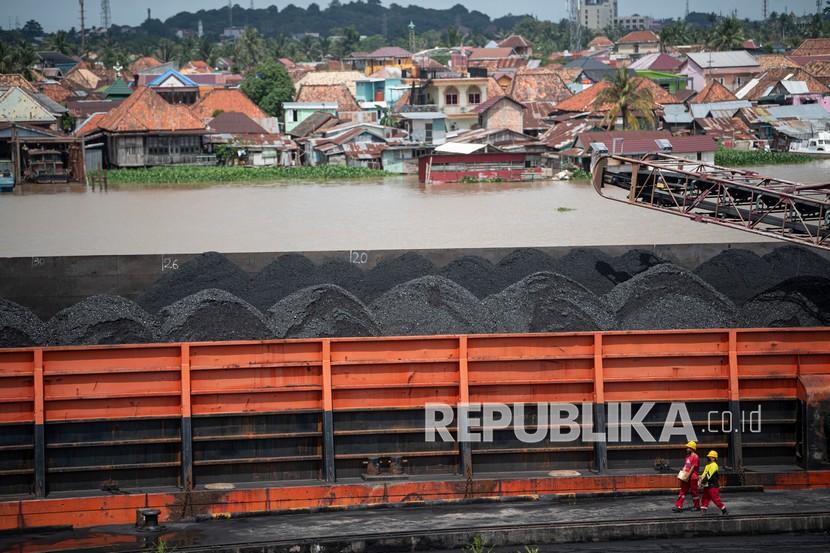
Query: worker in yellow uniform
[{"x": 711, "y": 483}]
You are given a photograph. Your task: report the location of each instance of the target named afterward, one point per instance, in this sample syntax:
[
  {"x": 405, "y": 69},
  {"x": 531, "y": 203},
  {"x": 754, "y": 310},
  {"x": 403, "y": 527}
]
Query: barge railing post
[
  {"x": 187, "y": 427},
  {"x": 328, "y": 417},
  {"x": 735, "y": 441},
  {"x": 40, "y": 420},
  {"x": 464, "y": 448},
  {"x": 599, "y": 409}
]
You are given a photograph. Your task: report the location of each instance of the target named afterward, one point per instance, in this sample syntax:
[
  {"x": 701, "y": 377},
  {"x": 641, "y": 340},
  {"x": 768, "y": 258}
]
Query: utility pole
[
  {"x": 687, "y": 9},
  {"x": 766, "y": 9},
  {"x": 106, "y": 14},
  {"x": 83, "y": 28},
  {"x": 230, "y": 13},
  {"x": 576, "y": 26}
]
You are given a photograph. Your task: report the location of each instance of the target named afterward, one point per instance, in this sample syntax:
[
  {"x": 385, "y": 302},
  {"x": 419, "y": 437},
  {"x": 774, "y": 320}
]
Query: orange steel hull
[
  {"x": 83, "y": 512},
  {"x": 56, "y": 384}
]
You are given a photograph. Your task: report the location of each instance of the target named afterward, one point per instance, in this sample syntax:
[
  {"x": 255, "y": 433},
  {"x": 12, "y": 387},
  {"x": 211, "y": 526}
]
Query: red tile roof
[
  {"x": 600, "y": 42},
  {"x": 390, "y": 52},
  {"x": 232, "y": 122},
  {"x": 813, "y": 47},
  {"x": 335, "y": 93},
  {"x": 535, "y": 114},
  {"x": 11, "y": 80},
  {"x": 639, "y": 37},
  {"x": 58, "y": 92},
  {"x": 226, "y": 100},
  {"x": 774, "y": 76},
  {"x": 492, "y": 101},
  {"x": 489, "y": 53},
  {"x": 146, "y": 111},
  {"x": 515, "y": 41},
  {"x": 584, "y": 101},
  {"x": 90, "y": 125},
  {"x": 143, "y": 64},
  {"x": 539, "y": 85},
  {"x": 713, "y": 92}
]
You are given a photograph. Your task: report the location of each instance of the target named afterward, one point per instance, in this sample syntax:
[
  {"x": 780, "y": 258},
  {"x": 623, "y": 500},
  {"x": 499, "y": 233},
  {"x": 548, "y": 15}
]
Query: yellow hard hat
[
  {"x": 712, "y": 454},
  {"x": 692, "y": 445}
]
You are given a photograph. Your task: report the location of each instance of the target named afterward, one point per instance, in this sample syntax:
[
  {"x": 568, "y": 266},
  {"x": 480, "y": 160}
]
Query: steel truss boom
[{"x": 707, "y": 193}]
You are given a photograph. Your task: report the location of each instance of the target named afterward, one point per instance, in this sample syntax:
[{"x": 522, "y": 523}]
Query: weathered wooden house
[{"x": 146, "y": 130}]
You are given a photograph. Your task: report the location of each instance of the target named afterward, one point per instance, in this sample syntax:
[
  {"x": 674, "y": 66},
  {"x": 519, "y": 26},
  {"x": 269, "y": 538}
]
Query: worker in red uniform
[
  {"x": 688, "y": 477},
  {"x": 711, "y": 483}
]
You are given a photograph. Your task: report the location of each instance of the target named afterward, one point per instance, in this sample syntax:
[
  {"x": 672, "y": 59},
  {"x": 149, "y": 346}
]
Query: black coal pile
[
  {"x": 208, "y": 270},
  {"x": 19, "y": 326},
  {"x": 668, "y": 297},
  {"x": 633, "y": 262},
  {"x": 521, "y": 263},
  {"x": 102, "y": 319},
  {"x": 549, "y": 302},
  {"x": 283, "y": 276},
  {"x": 474, "y": 273},
  {"x": 340, "y": 273},
  {"x": 800, "y": 301},
  {"x": 431, "y": 305},
  {"x": 594, "y": 269},
  {"x": 390, "y": 272},
  {"x": 794, "y": 261},
  {"x": 738, "y": 274},
  {"x": 212, "y": 314},
  {"x": 324, "y": 311}
]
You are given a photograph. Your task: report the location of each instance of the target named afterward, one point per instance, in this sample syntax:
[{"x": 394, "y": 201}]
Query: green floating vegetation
[
  {"x": 218, "y": 174},
  {"x": 565, "y": 209},
  {"x": 733, "y": 158},
  {"x": 581, "y": 175}
]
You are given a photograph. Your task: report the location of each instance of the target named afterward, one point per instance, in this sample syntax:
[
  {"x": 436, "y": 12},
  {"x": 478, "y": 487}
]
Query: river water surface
[{"x": 393, "y": 213}]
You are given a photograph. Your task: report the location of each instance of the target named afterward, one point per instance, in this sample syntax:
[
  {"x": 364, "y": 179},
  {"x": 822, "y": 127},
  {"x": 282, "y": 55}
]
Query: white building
[{"x": 598, "y": 14}]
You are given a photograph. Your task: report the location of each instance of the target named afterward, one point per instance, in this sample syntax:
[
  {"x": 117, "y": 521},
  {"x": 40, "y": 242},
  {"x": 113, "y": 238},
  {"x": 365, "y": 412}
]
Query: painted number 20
[{"x": 358, "y": 257}]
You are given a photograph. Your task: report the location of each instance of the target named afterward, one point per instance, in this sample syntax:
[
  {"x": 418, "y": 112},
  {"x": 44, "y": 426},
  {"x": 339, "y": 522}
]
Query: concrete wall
[{"x": 48, "y": 284}]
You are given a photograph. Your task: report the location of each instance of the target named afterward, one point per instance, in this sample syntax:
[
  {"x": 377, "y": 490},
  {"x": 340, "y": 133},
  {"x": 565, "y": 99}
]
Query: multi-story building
[
  {"x": 635, "y": 22},
  {"x": 597, "y": 14}
]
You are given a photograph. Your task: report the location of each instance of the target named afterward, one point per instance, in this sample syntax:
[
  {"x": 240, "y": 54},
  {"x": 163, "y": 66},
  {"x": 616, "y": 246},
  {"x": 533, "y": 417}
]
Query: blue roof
[{"x": 172, "y": 72}]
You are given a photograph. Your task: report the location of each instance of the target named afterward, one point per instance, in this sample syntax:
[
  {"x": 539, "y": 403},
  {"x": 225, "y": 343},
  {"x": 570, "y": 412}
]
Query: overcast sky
[{"x": 57, "y": 14}]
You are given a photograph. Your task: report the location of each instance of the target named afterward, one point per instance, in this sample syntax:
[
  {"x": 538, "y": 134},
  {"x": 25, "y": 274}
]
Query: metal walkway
[{"x": 734, "y": 198}]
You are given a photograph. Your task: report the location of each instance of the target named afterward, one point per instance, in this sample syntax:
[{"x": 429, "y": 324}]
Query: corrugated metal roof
[
  {"x": 423, "y": 115},
  {"x": 677, "y": 114},
  {"x": 804, "y": 112},
  {"x": 459, "y": 148},
  {"x": 700, "y": 111},
  {"x": 795, "y": 87},
  {"x": 736, "y": 58},
  {"x": 17, "y": 105}
]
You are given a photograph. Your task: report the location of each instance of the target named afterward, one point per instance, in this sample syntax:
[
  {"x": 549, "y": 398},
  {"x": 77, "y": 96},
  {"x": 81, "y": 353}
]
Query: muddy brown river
[{"x": 393, "y": 213}]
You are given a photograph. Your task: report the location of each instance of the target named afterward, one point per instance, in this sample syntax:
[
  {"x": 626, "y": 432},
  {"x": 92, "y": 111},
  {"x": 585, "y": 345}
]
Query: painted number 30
[{"x": 358, "y": 257}]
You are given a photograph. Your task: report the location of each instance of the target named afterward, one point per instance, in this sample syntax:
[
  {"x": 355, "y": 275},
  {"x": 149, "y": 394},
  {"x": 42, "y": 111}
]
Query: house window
[
  {"x": 293, "y": 116},
  {"x": 451, "y": 96},
  {"x": 428, "y": 133},
  {"x": 473, "y": 95}
]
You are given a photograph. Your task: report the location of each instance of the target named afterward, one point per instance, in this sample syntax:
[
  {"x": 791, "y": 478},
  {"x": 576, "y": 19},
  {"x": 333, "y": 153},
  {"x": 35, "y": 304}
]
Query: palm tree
[
  {"x": 728, "y": 35},
  {"x": 676, "y": 32},
  {"x": 166, "y": 50},
  {"x": 628, "y": 98},
  {"x": 59, "y": 42}
]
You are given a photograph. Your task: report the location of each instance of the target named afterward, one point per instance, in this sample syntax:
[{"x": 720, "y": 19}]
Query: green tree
[
  {"x": 453, "y": 36},
  {"x": 32, "y": 29},
  {"x": 627, "y": 98},
  {"x": 166, "y": 50},
  {"x": 675, "y": 33},
  {"x": 727, "y": 35},
  {"x": 251, "y": 49},
  {"x": 269, "y": 86},
  {"x": 59, "y": 42}
]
